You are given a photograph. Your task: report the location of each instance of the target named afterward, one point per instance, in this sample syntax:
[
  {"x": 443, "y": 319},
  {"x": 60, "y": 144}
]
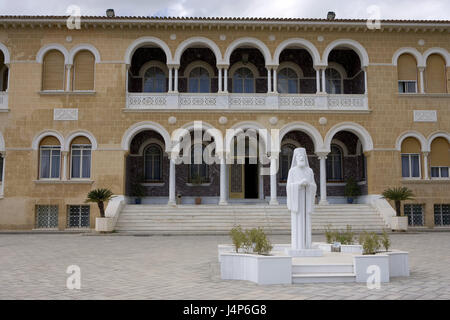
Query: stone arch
[
  {"x": 440, "y": 51},
  {"x": 298, "y": 42},
  {"x": 354, "y": 45},
  {"x": 312, "y": 132},
  {"x": 438, "y": 134},
  {"x": 85, "y": 46},
  {"x": 6, "y": 54},
  {"x": 293, "y": 66},
  {"x": 147, "y": 40},
  {"x": 412, "y": 51},
  {"x": 412, "y": 134},
  {"x": 245, "y": 125},
  {"x": 54, "y": 46},
  {"x": 142, "y": 126},
  {"x": 195, "y": 41},
  {"x": 357, "y": 129},
  {"x": 46, "y": 133},
  {"x": 248, "y": 41},
  {"x": 81, "y": 133}
]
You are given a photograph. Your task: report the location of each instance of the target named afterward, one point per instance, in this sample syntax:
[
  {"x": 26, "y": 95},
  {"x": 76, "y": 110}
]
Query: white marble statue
[{"x": 301, "y": 192}]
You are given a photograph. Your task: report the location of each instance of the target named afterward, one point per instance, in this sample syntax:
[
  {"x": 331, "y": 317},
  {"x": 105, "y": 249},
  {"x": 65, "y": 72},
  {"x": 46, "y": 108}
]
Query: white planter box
[
  {"x": 346, "y": 248},
  {"x": 229, "y": 248},
  {"x": 104, "y": 224},
  {"x": 363, "y": 262},
  {"x": 399, "y": 223},
  {"x": 256, "y": 268},
  {"x": 398, "y": 263}
]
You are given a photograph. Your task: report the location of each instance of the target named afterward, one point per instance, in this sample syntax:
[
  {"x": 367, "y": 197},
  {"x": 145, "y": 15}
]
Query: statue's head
[{"x": 300, "y": 158}]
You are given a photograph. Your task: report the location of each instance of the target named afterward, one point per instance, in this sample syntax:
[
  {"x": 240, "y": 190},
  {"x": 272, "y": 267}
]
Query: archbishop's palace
[{"x": 106, "y": 104}]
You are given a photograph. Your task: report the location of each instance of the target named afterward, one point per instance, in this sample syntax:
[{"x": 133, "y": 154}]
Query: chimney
[
  {"x": 331, "y": 15},
  {"x": 110, "y": 13}
]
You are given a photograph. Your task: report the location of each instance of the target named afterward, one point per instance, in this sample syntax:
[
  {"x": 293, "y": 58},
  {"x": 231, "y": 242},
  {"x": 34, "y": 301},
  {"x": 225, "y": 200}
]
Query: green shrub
[
  {"x": 238, "y": 237},
  {"x": 343, "y": 237},
  {"x": 370, "y": 242},
  {"x": 385, "y": 241}
]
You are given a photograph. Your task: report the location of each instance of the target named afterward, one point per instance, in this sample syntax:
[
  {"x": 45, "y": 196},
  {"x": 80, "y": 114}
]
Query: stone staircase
[{"x": 215, "y": 219}]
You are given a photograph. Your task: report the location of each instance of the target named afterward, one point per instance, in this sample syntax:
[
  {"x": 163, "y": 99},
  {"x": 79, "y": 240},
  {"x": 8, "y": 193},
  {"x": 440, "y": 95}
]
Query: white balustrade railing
[
  {"x": 3, "y": 100},
  {"x": 246, "y": 101}
]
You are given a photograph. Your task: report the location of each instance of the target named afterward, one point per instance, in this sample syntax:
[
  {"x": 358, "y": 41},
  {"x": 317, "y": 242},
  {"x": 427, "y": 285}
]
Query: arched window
[
  {"x": 53, "y": 71},
  {"x": 154, "y": 80},
  {"x": 287, "y": 81},
  {"x": 287, "y": 150},
  {"x": 1, "y": 168},
  {"x": 153, "y": 158},
  {"x": 334, "y": 164},
  {"x": 334, "y": 84},
  {"x": 243, "y": 81},
  {"x": 199, "y": 80},
  {"x": 198, "y": 169},
  {"x": 436, "y": 75},
  {"x": 440, "y": 158},
  {"x": 407, "y": 74},
  {"x": 49, "y": 158},
  {"x": 80, "y": 158},
  {"x": 83, "y": 71},
  {"x": 410, "y": 154}
]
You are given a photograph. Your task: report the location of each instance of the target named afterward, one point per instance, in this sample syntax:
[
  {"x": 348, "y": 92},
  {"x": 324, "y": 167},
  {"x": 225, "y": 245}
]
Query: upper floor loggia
[{"x": 246, "y": 76}]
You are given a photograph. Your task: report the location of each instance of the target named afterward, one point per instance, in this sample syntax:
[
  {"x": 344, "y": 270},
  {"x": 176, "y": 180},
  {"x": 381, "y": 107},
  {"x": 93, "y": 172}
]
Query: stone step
[
  {"x": 323, "y": 277},
  {"x": 322, "y": 268}
]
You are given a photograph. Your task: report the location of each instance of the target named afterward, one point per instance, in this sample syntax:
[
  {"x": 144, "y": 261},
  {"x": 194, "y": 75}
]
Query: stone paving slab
[{"x": 33, "y": 266}]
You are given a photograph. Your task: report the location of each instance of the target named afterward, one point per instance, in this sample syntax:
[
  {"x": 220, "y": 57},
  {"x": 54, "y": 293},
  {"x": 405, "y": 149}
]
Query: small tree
[
  {"x": 238, "y": 237},
  {"x": 398, "y": 194},
  {"x": 99, "y": 196},
  {"x": 351, "y": 188},
  {"x": 385, "y": 241}
]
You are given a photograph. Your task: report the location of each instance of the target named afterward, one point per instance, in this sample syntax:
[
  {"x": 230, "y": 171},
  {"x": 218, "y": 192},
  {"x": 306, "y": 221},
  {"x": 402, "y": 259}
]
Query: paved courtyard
[{"x": 33, "y": 266}]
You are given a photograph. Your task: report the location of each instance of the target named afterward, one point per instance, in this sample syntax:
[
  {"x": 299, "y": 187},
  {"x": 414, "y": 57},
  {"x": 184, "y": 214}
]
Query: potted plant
[
  {"x": 398, "y": 194},
  {"x": 137, "y": 191},
  {"x": 351, "y": 190},
  {"x": 197, "y": 180},
  {"x": 99, "y": 196}
]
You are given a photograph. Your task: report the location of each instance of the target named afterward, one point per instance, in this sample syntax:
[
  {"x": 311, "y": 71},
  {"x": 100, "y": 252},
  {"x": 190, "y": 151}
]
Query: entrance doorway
[{"x": 244, "y": 180}]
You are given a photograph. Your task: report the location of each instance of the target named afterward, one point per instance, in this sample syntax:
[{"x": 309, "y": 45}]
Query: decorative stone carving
[
  {"x": 323, "y": 121},
  {"x": 273, "y": 120},
  {"x": 425, "y": 116},
  {"x": 223, "y": 120},
  {"x": 173, "y": 36},
  {"x": 65, "y": 114},
  {"x": 172, "y": 120}
]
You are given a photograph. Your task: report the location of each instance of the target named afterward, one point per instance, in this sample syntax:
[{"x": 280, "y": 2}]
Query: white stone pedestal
[{"x": 304, "y": 252}]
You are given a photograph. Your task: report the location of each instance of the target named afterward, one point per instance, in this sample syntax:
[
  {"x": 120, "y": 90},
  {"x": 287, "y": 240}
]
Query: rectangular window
[
  {"x": 81, "y": 162},
  {"x": 1, "y": 168},
  {"x": 411, "y": 165},
  {"x": 46, "y": 216},
  {"x": 442, "y": 214},
  {"x": 407, "y": 86},
  {"x": 439, "y": 172},
  {"x": 50, "y": 160},
  {"x": 78, "y": 216},
  {"x": 414, "y": 212}
]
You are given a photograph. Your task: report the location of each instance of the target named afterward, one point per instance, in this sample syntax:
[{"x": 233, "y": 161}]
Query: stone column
[
  {"x": 365, "y": 81},
  {"x": 225, "y": 80},
  {"x": 219, "y": 79},
  {"x": 318, "y": 81},
  {"x": 422, "y": 84},
  {"x": 127, "y": 70},
  {"x": 2, "y": 187},
  {"x": 323, "y": 178},
  {"x": 223, "y": 182},
  {"x": 64, "y": 166},
  {"x": 269, "y": 80},
  {"x": 275, "y": 89},
  {"x": 172, "y": 181},
  {"x": 68, "y": 67},
  {"x": 273, "y": 179},
  {"x": 176, "y": 80},
  {"x": 324, "y": 87},
  {"x": 170, "y": 79},
  {"x": 425, "y": 165}
]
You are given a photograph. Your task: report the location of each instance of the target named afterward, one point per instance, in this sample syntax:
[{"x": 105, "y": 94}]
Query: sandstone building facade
[{"x": 101, "y": 106}]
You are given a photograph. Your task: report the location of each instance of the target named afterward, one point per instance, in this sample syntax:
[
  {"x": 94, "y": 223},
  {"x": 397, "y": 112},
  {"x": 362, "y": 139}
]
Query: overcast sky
[{"x": 389, "y": 9}]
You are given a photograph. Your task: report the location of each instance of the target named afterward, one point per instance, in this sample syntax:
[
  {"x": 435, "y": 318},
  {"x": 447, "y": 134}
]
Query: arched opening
[
  {"x": 344, "y": 74},
  {"x": 49, "y": 158},
  {"x": 296, "y": 73},
  {"x": 4, "y": 73},
  {"x": 247, "y": 73},
  {"x": 407, "y": 73},
  {"x": 440, "y": 158},
  {"x": 53, "y": 72},
  {"x": 436, "y": 74},
  {"x": 80, "y": 158},
  {"x": 83, "y": 71},
  {"x": 411, "y": 158},
  {"x": 198, "y": 72},
  {"x": 148, "y": 70}
]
